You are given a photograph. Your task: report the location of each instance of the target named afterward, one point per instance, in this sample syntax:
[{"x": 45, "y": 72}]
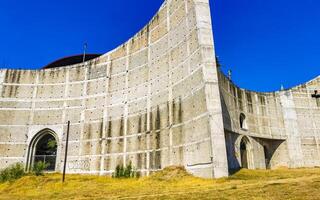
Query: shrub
[
  {"x": 52, "y": 144},
  {"x": 125, "y": 172},
  {"x": 39, "y": 167},
  {"x": 12, "y": 173}
]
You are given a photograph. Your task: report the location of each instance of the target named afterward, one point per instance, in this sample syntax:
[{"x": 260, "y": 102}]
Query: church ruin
[{"x": 157, "y": 100}]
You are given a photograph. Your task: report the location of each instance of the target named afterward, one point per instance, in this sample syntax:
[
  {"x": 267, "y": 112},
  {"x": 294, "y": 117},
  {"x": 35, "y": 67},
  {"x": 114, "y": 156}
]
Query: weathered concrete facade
[
  {"x": 157, "y": 100},
  {"x": 280, "y": 128}
]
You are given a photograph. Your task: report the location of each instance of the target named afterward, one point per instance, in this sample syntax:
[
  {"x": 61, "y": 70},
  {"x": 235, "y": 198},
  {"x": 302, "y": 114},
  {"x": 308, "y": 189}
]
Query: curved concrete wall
[
  {"x": 283, "y": 126},
  {"x": 153, "y": 101}
]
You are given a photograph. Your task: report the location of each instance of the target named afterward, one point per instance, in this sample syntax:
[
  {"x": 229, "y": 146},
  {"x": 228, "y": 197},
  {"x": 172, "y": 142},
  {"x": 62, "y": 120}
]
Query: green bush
[
  {"x": 12, "y": 173},
  {"x": 39, "y": 167},
  {"x": 52, "y": 144},
  {"x": 125, "y": 172}
]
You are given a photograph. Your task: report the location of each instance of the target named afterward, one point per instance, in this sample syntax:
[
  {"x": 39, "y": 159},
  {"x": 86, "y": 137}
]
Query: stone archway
[
  {"x": 245, "y": 153},
  {"x": 43, "y": 147}
]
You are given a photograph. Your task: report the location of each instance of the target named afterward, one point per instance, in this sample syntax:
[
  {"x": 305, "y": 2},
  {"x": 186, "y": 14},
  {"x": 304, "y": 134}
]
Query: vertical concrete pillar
[
  {"x": 213, "y": 101},
  {"x": 291, "y": 129},
  {"x": 2, "y": 77},
  {"x": 83, "y": 105},
  {"x": 105, "y": 118},
  {"x": 170, "y": 98},
  {"x": 65, "y": 97},
  {"x": 34, "y": 96},
  {"x": 148, "y": 109},
  {"x": 126, "y": 108}
]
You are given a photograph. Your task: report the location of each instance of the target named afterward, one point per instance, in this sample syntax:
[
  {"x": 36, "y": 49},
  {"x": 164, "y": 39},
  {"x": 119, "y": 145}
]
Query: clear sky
[{"x": 265, "y": 43}]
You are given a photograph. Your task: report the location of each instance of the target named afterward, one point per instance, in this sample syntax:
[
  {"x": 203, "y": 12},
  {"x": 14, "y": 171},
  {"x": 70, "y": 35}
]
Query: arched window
[
  {"x": 43, "y": 147},
  {"x": 243, "y": 122},
  {"x": 46, "y": 151}
]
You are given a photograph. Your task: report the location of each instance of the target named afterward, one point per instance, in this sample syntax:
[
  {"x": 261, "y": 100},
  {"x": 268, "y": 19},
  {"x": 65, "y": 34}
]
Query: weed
[
  {"x": 39, "y": 167},
  {"x": 125, "y": 172},
  {"x": 12, "y": 172}
]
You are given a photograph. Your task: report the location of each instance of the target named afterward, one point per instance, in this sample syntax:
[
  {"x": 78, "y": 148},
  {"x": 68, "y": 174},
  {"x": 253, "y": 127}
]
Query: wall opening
[
  {"x": 266, "y": 156},
  {"x": 43, "y": 147},
  {"x": 46, "y": 151},
  {"x": 244, "y": 151},
  {"x": 243, "y": 122}
]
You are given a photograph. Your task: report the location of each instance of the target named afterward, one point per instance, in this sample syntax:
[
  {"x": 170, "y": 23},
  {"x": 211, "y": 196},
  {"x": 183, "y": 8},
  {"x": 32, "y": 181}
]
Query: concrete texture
[
  {"x": 157, "y": 100},
  {"x": 282, "y": 127}
]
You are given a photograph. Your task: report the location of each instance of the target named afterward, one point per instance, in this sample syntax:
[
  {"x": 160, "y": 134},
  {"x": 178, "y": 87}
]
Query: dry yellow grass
[{"x": 172, "y": 183}]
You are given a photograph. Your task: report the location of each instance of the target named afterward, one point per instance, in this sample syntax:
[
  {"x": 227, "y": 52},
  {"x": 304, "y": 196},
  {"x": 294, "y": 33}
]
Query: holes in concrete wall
[
  {"x": 17, "y": 91},
  {"x": 155, "y": 160},
  {"x": 118, "y": 81},
  {"x": 177, "y": 111},
  {"x": 249, "y": 102},
  {"x": 240, "y": 100},
  {"x": 262, "y": 102},
  {"x": 95, "y": 72}
]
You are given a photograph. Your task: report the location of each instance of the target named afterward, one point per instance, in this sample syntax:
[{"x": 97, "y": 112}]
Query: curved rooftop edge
[
  {"x": 94, "y": 58},
  {"x": 71, "y": 60},
  {"x": 158, "y": 100},
  {"x": 146, "y": 102},
  {"x": 278, "y": 128},
  {"x": 296, "y": 87}
]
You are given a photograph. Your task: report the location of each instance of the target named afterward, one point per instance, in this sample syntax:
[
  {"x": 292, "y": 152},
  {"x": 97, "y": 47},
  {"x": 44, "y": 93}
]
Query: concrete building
[{"x": 157, "y": 100}]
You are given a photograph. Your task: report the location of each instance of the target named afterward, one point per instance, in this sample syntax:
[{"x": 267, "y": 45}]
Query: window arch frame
[
  {"x": 243, "y": 122},
  {"x": 33, "y": 145}
]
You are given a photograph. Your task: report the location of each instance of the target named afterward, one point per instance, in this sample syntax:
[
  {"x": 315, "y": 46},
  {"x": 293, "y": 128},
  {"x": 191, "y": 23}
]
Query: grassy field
[{"x": 172, "y": 183}]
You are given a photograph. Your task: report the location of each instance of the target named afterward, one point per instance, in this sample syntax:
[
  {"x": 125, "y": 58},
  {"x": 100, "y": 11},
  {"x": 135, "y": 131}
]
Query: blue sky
[{"x": 264, "y": 43}]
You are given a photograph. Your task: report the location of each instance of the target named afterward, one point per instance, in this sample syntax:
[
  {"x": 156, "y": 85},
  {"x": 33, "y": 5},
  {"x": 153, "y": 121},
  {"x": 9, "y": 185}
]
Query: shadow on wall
[
  {"x": 269, "y": 149},
  {"x": 233, "y": 163},
  {"x": 226, "y": 116},
  {"x": 244, "y": 151},
  {"x": 250, "y": 152}
]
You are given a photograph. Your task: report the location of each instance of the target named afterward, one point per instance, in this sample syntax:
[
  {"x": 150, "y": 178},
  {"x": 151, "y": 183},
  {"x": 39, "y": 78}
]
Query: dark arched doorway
[
  {"x": 43, "y": 148},
  {"x": 244, "y": 152},
  {"x": 46, "y": 151}
]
